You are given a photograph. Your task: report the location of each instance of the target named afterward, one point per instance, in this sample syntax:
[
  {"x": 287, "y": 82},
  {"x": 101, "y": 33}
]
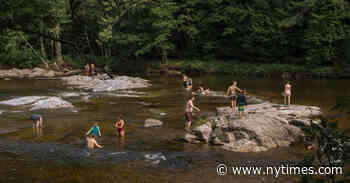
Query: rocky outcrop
[
  {"x": 152, "y": 123},
  {"x": 102, "y": 83},
  {"x": 51, "y": 103},
  {"x": 264, "y": 126},
  {"x": 34, "y": 73},
  {"x": 38, "y": 102}
]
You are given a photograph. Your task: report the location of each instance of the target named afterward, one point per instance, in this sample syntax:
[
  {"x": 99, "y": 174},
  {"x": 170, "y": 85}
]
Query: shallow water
[{"x": 165, "y": 96}]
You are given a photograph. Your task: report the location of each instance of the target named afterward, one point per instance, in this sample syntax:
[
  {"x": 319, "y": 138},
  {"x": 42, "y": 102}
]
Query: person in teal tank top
[{"x": 95, "y": 130}]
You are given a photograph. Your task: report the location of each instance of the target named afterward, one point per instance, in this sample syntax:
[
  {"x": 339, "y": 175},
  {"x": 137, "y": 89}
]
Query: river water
[{"x": 145, "y": 155}]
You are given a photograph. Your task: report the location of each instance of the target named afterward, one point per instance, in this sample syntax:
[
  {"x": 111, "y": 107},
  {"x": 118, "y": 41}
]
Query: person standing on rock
[
  {"x": 119, "y": 125},
  {"x": 188, "y": 112},
  {"x": 241, "y": 103},
  {"x": 37, "y": 121},
  {"x": 287, "y": 93},
  {"x": 231, "y": 92},
  {"x": 187, "y": 82},
  {"x": 95, "y": 130}
]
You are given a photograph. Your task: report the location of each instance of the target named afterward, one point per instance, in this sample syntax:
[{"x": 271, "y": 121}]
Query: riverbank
[
  {"x": 236, "y": 68},
  {"x": 193, "y": 67}
]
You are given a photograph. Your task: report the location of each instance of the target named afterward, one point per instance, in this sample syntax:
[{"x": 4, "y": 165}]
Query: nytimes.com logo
[{"x": 223, "y": 169}]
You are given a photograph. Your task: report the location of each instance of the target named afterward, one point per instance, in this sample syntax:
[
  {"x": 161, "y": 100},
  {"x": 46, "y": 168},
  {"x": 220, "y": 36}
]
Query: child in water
[
  {"x": 241, "y": 103},
  {"x": 95, "y": 130},
  {"x": 91, "y": 142}
]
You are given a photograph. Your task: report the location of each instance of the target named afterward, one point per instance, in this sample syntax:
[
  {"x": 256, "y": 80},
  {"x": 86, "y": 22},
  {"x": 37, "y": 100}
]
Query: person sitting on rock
[
  {"x": 95, "y": 130},
  {"x": 91, "y": 142},
  {"x": 187, "y": 82},
  {"x": 37, "y": 120},
  {"x": 203, "y": 91},
  {"x": 119, "y": 125},
  {"x": 241, "y": 103}
]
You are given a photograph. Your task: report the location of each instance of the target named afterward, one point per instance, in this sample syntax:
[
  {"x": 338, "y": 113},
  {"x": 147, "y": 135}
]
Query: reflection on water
[{"x": 166, "y": 96}]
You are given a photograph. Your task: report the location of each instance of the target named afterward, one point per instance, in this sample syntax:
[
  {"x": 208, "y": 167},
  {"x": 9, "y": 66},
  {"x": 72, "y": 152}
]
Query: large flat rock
[
  {"x": 102, "y": 83},
  {"x": 264, "y": 126},
  {"x": 39, "y": 102}
]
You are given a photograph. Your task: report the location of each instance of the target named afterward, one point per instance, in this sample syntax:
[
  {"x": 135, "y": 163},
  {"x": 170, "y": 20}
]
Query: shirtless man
[
  {"x": 188, "y": 112},
  {"x": 119, "y": 124},
  {"x": 91, "y": 142},
  {"x": 287, "y": 93},
  {"x": 231, "y": 91}
]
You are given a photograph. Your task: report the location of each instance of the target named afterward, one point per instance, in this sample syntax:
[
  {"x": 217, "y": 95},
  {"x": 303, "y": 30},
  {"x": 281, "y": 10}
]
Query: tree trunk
[
  {"x": 42, "y": 45},
  {"x": 164, "y": 56},
  {"x": 58, "y": 46}
]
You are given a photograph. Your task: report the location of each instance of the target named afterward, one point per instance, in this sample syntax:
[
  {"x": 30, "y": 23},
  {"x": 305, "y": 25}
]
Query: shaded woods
[{"x": 306, "y": 33}]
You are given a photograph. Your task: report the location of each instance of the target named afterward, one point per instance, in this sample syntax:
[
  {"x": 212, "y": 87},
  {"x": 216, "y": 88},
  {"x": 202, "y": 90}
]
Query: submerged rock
[
  {"x": 98, "y": 84},
  {"x": 152, "y": 123},
  {"x": 264, "y": 126}
]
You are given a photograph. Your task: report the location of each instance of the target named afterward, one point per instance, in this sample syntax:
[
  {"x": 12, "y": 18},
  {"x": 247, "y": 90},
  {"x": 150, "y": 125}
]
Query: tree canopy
[{"x": 304, "y": 32}]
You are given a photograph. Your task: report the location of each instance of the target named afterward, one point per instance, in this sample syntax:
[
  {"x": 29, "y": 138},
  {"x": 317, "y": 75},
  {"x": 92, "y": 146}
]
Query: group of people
[
  {"x": 90, "y": 135},
  {"x": 236, "y": 95},
  {"x": 95, "y": 131}
]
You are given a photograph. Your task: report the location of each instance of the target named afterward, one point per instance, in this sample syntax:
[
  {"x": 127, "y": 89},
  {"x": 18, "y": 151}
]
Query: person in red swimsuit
[{"x": 120, "y": 124}]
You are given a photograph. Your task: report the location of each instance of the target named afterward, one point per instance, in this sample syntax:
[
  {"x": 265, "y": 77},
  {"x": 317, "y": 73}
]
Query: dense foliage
[{"x": 302, "y": 32}]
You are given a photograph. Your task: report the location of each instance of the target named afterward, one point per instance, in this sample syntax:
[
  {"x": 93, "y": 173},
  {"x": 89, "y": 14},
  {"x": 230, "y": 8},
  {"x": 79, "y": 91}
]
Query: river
[{"x": 132, "y": 157}]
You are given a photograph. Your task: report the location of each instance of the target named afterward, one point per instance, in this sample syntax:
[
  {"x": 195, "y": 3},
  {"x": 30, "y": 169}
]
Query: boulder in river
[
  {"x": 152, "y": 123},
  {"x": 264, "y": 126},
  {"x": 39, "y": 102},
  {"x": 98, "y": 84},
  {"x": 51, "y": 103}
]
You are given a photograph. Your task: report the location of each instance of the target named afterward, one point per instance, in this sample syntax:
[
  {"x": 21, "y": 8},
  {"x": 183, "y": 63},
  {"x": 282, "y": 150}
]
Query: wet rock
[
  {"x": 39, "y": 102},
  {"x": 72, "y": 94},
  {"x": 22, "y": 100},
  {"x": 203, "y": 132},
  {"x": 95, "y": 84},
  {"x": 152, "y": 123},
  {"x": 190, "y": 138},
  {"x": 33, "y": 73},
  {"x": 51, "y": 103},
  {"x": 264, "y": 126},
  {"x": 216, "y": 141}
]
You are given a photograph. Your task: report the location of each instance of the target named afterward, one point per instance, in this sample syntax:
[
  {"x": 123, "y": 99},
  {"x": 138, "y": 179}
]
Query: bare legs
[
  {"x": 233, "y": 106},
  {"x": 287, "y": 99}
]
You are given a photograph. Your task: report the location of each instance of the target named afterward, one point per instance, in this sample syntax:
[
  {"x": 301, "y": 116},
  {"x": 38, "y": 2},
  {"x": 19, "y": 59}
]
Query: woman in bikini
[
  {"x": 231, "y": 91},
  {"x": 287, "y": 93},
  {"x": 120, "y": 124}
]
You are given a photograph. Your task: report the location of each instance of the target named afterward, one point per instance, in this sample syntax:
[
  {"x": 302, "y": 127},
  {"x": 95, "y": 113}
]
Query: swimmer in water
[
  {"x": 91, "y": 142},
  {"x": 231, "y": 92},
  {"x": 203, "y": 91},
  {"x": 120, "y": 126}
]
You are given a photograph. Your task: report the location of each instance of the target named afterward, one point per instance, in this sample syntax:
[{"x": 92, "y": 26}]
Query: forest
[{"x": 302, "y": 33}]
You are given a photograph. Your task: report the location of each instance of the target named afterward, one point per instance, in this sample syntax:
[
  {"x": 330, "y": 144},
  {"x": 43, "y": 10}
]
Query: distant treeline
[{"x": 301, "y": 32}]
